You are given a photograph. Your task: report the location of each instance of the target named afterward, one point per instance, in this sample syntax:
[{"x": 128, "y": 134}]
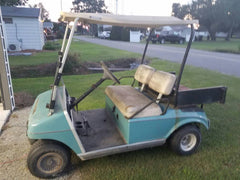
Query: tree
[
  {"x": 12, "y": 2},
  {"x": 215, "y": 15},
  {"x": 44, "y": 13},
  {"x": 180, "y": 11},
  {"x": 230, "y": 20},
  {"x": 90, "y": 6},
  {"x": 207, "y": 13}
]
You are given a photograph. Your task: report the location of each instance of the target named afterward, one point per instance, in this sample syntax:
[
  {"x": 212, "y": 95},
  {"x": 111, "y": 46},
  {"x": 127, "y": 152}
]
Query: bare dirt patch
[
  {"x": 23, "y": 99},
  {"x": 72, "y": 67}
]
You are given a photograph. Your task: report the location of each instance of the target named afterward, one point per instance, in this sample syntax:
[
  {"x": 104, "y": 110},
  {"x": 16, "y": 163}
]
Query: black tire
[
  {"x": 186, "y": 140},
  {"x": 47, "y": 159}
]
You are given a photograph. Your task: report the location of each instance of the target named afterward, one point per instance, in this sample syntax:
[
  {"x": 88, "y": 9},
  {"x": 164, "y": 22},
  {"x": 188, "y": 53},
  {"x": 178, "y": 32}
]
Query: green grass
[
  {"x": 220, "y": 45},
  {"x": 96, "y": 53},
  {"x": 34, "y": 59},
  {"x": 217, "y": 158},
  {"x": 87, "y": 52}
]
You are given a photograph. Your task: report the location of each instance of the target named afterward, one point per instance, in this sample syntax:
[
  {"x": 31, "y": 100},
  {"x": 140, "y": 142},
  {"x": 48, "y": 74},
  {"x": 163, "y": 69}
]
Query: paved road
[{"x": 222, "y": 62}]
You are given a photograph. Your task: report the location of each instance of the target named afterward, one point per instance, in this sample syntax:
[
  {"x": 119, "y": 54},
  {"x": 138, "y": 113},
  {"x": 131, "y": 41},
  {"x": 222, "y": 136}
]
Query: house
[{"x": 23, "y": 27}]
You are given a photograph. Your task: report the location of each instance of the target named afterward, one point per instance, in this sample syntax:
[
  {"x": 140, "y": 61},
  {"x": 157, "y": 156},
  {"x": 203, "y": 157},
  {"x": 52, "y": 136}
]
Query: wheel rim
[
  {"x": 188, "y": 142},
  {"x": 50, "y": 163}
]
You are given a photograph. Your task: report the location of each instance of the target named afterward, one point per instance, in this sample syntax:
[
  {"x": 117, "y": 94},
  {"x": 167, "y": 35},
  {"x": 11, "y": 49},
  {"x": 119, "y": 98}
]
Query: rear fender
[{"x": 199, "y": 121}]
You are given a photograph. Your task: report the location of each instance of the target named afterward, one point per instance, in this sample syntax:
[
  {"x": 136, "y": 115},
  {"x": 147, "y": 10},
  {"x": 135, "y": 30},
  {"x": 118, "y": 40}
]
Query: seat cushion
[
  {"x": 162, "y": 82},
  {"x": 144, "y": 73},
  {"x": 129, "y": 101}
]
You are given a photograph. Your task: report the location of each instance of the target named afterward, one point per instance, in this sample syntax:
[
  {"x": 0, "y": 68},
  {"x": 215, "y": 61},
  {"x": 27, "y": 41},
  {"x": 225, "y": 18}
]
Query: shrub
[
  {"x": 72, "y": 63},
  {"x": 50, "y": 45}
]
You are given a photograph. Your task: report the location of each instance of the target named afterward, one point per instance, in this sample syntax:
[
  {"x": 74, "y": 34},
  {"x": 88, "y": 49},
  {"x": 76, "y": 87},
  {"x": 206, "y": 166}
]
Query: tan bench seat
[{"x": 129, "y": 101}]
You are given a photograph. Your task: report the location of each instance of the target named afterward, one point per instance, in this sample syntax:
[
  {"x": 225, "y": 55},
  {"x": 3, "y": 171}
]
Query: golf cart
[{"x": 151, "y": 111}]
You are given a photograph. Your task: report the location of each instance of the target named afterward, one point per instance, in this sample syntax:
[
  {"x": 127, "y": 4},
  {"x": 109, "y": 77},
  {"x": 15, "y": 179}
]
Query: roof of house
[{"x": 20, "y": 12}]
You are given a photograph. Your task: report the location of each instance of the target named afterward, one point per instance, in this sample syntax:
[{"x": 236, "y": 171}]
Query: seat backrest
[
  {"x": 144, "y": 74},
  {"x": 162, "y": 82}
]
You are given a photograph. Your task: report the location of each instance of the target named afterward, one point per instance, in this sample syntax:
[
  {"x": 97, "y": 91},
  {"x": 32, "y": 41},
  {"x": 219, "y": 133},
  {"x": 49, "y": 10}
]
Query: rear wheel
[
  {"x": 186, "y": 140},
  {"x": 47, "y": 159}
]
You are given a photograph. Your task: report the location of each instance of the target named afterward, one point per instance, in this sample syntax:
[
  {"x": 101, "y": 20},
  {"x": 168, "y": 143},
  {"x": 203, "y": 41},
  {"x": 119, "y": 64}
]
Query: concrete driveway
[{"x": 225, "y": 63}]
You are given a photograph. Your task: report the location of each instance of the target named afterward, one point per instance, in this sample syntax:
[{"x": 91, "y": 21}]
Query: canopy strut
[
  {"x": 183, "y": 64},
  {"x": 146, "y": 46},
  {"x": 62, "y": 60}
]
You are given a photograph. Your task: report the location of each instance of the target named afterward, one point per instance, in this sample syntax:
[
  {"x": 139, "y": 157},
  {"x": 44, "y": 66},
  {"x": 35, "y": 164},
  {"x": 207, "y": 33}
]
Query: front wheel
[
  {"x": 186, "y": 140},
  {"x": 47, "y": 159}
]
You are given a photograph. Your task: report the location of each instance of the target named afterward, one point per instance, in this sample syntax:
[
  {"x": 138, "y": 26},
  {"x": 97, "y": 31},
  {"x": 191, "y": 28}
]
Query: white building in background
[{"x": 24, "y": 28}]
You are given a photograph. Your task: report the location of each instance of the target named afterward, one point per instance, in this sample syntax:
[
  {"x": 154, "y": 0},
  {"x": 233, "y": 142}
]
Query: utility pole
[{"x": 116, "y": 6}]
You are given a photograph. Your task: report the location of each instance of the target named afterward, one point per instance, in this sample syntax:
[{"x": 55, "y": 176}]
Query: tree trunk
[
  {"x": 212, "y": 35},
  {"x": 229, "y": 33}
]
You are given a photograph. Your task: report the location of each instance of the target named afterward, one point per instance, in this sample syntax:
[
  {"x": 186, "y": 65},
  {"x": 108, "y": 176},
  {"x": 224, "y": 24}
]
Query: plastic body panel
[
  {"x": 155, "y": 127},
  {"x": 57, "y": 127}
]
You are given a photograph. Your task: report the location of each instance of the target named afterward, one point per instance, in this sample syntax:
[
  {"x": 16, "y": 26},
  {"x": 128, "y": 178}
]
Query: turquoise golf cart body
[
  {"x": 151, "y": 113},
  {"x": 147, "y": 131}
]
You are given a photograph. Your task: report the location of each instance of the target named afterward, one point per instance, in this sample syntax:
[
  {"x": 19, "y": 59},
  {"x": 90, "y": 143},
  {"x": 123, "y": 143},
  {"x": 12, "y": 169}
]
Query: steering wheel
[{"x": 107, "y": 74}]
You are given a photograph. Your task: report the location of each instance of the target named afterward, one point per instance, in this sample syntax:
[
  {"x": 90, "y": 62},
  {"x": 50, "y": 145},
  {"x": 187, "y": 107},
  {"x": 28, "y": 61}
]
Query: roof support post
[
  {"x": 68, "y": 44},
  {"x": 58, "y": 74},
  {"x": 64, "y": 37},
  {"x": 146, "y": 46},
  {"x": 183, "y": 64}
]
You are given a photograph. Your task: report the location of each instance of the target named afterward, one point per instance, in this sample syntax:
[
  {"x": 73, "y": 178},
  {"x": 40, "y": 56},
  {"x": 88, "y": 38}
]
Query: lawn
[
  {"x": 220, "y": 45},
  {"x": 86, "y": 52},
  {"x": 218, "y": 156},
  {"x": 93, "y": 52}
]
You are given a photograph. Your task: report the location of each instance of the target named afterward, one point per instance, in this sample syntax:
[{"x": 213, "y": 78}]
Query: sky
[{"x": 125, "y": 7}]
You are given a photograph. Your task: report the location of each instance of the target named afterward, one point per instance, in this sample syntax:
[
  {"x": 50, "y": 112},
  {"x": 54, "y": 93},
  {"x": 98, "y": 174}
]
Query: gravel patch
[{"x": 14, "y": 148}]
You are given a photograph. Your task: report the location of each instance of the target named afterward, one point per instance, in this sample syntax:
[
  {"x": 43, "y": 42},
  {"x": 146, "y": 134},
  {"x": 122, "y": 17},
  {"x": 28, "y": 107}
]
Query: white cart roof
[{"x": 125, "y": 20}]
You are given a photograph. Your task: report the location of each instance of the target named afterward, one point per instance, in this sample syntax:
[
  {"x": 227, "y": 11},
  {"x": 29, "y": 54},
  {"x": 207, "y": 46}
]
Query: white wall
[
  {"x": 135, "y": 36},
  {"x": 27, "y": 33}
]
